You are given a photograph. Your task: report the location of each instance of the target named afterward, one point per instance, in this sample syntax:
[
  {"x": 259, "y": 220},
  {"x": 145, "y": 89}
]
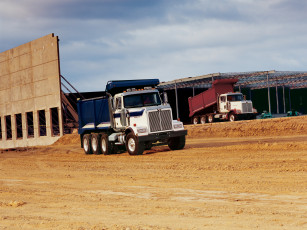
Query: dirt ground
[{"x": 240, "y": 175}]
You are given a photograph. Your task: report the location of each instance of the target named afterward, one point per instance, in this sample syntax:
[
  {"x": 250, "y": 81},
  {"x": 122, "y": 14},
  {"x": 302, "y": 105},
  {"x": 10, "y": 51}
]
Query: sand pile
[{"x": 267, "y": 127}]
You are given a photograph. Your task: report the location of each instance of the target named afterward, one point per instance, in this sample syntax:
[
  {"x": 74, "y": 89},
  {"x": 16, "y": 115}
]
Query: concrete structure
[{"x": 30, "y": 94}]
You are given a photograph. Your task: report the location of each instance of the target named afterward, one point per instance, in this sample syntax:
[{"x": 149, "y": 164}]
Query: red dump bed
[{"x": 209, "y": 97}]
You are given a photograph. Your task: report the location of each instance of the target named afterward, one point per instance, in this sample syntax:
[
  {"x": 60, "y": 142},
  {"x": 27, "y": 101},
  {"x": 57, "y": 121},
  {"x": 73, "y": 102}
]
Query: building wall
[{"x": 29, "y": 83}]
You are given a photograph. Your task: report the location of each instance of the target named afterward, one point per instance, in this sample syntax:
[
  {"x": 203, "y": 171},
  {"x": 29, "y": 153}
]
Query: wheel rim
[
  {"x": 131, "y": 144},
  {"x": 210, "y": 119},
  {"x": 94, "y": 144},
  {"x": 85, "y": 144},
  {"x": 232, "y": 118},
  {"x": 103, "y": 145},
  {"x": 203, "y": 120},
  {"x": 195, "y": 121}
]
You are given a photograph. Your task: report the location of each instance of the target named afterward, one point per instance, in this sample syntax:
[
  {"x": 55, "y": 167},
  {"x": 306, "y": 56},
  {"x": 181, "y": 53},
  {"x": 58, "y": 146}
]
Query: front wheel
[
  {"x": 133, "y": 146},
  {"x": 176, "y": 143},
  {"x": 232, "y": 117}
]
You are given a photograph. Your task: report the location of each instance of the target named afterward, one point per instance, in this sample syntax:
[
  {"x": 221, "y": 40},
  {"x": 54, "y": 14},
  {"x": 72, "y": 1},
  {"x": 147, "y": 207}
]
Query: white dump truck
[{"x": 132, "y": 116}]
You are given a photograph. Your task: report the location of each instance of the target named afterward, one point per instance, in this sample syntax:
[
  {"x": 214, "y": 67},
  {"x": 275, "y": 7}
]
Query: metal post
[
  {"x": 277, "y": 102},
  {"x": 284, "y": 100},
  {"x": 269, "y": 97},
  {"x": 290, "y": 99},
  {"x": 177, "y": 110},
  {"x": 250, "y": 94}
]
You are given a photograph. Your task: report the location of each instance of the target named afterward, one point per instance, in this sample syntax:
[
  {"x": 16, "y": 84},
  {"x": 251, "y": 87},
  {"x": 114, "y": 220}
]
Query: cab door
[
  {"x": 120, "y": 113},
  {"x": 223, "y": 104}
]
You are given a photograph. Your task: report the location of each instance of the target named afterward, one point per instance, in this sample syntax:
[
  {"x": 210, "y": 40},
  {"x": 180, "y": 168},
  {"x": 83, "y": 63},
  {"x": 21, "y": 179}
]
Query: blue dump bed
[{"x": 93, "y": 114}]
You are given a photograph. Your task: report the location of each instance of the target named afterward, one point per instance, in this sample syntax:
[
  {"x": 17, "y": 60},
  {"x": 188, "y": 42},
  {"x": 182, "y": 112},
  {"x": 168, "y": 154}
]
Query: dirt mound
[
  {"x": 68, "y": 139},
  {"x": 268, "y": 127}
]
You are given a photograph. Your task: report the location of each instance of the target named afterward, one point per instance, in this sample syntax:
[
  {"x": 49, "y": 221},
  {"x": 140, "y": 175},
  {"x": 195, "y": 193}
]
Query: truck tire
[
  {"x": 195, "y": 120},
  {"x": 105, "y": 145},
  {"x": 96, "y": 143},
  {"x": 86, "y": 143},
  {"x": 232, "y": 117},
  {"x": 176, "y": 143},
  {"x": 133, "y": 146},
  {"x": 210, "y": 118},
  {"x": 203, "y": 120}
]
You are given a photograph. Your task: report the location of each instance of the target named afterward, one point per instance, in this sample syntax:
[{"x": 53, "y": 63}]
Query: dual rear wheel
[{"x": 96, "y": 143}]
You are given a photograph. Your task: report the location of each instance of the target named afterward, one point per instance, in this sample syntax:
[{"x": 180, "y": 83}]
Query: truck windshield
[
  {"x": 141, "y": 100},
  {"x": 235, "y": 97}
]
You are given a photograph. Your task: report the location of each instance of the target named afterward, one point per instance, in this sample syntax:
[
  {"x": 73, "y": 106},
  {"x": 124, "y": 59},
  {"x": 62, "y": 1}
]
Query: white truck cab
[
  {"x": 143, "y": 112},
  {"x": 235, "y": 102}
]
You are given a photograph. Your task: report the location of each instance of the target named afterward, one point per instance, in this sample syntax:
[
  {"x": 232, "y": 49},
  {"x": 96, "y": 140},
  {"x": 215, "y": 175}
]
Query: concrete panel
[{"x": 30, "y": 81}]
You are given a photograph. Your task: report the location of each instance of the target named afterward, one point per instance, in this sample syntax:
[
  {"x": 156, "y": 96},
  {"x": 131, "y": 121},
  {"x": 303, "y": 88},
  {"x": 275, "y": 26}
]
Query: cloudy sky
[{"x": 103, "y": 40}]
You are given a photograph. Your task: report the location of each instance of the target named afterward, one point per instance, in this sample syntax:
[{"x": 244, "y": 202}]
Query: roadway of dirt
[{"x": 240, "y": 175}]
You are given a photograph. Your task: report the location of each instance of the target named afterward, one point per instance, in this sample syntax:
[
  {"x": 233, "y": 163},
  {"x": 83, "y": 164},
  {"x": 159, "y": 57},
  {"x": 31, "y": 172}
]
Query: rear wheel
[
  {"x": 210, "y": 118},
  {"x": 195, "y": 120},
  {"x": 133, "y": 146},
  {"x": 176, "y": 143},
  {"x": 203, "y": 120},
  {"x": 86, "y": 142},
  {"x": 105, "y": 145},
  {"x": 95, "y": 143}
]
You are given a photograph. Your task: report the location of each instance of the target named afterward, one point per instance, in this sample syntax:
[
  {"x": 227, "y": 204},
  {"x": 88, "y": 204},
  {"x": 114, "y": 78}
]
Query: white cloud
[{"x": 164, "y": 39}]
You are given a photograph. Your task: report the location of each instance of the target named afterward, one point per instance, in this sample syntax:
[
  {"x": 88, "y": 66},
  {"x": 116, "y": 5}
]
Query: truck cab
[{"x": 236, "y": 104}]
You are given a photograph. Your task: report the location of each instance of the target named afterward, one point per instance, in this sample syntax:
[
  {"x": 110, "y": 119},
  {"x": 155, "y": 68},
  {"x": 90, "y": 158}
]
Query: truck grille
[
  {"x": 247, "y": 108},
  {"x": 160, "y": 120}
]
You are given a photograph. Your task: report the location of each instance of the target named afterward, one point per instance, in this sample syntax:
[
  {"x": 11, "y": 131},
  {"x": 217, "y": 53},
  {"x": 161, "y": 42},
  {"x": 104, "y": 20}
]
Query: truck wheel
[
  {"x": 105, "y": 145},
  {"x": 195, "y": 120},
  {"x": 232, "y": 117},
  {"x": 95, "y": 143},
  {"x": 86, "y": 142},
  {"x": 210, "y": 118},
  {"x": 133, "y": 146},
  {"x": 203, "y": 120},
  {"x": 176, "y": 143}
]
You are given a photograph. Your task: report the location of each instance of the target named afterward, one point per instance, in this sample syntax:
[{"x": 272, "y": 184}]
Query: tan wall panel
[
  {"x": 16, "y": 93},
  {"x": 26, "y": 76},
  {"x": 15, "y": 79},
  {"x": 4, "y": 70},
  {"x": 27, "y": 91},
  {"x": 5, "y": 82},
  {"x": 30, "y": 81},
  {"x": 25, "y": 61},
  {"x": 4, "y": 56}
]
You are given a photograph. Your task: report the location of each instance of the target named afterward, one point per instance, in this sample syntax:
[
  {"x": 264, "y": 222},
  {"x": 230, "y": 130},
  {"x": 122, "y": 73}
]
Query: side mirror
[{"x": 165, "y": 98}]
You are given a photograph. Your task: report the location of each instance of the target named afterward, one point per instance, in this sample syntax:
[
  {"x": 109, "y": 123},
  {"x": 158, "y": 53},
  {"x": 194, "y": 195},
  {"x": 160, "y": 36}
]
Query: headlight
[
  {"x": 142, "y": 130},
  {"x": 178, "y": 126}
]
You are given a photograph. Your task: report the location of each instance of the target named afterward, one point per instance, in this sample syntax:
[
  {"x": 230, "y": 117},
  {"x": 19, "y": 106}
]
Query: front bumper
[{"x": 163, "y": 136}]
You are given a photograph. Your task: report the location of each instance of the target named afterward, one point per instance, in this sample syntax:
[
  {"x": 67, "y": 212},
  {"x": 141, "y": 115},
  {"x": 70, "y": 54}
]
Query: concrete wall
[{"x": 29, "y": 82}]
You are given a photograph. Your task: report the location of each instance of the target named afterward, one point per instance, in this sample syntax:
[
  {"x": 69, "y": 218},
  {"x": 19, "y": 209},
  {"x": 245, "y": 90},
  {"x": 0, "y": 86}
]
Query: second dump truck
[
  {"x": 131, "y": 117},
  {"x": 220, "y": 103}
]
